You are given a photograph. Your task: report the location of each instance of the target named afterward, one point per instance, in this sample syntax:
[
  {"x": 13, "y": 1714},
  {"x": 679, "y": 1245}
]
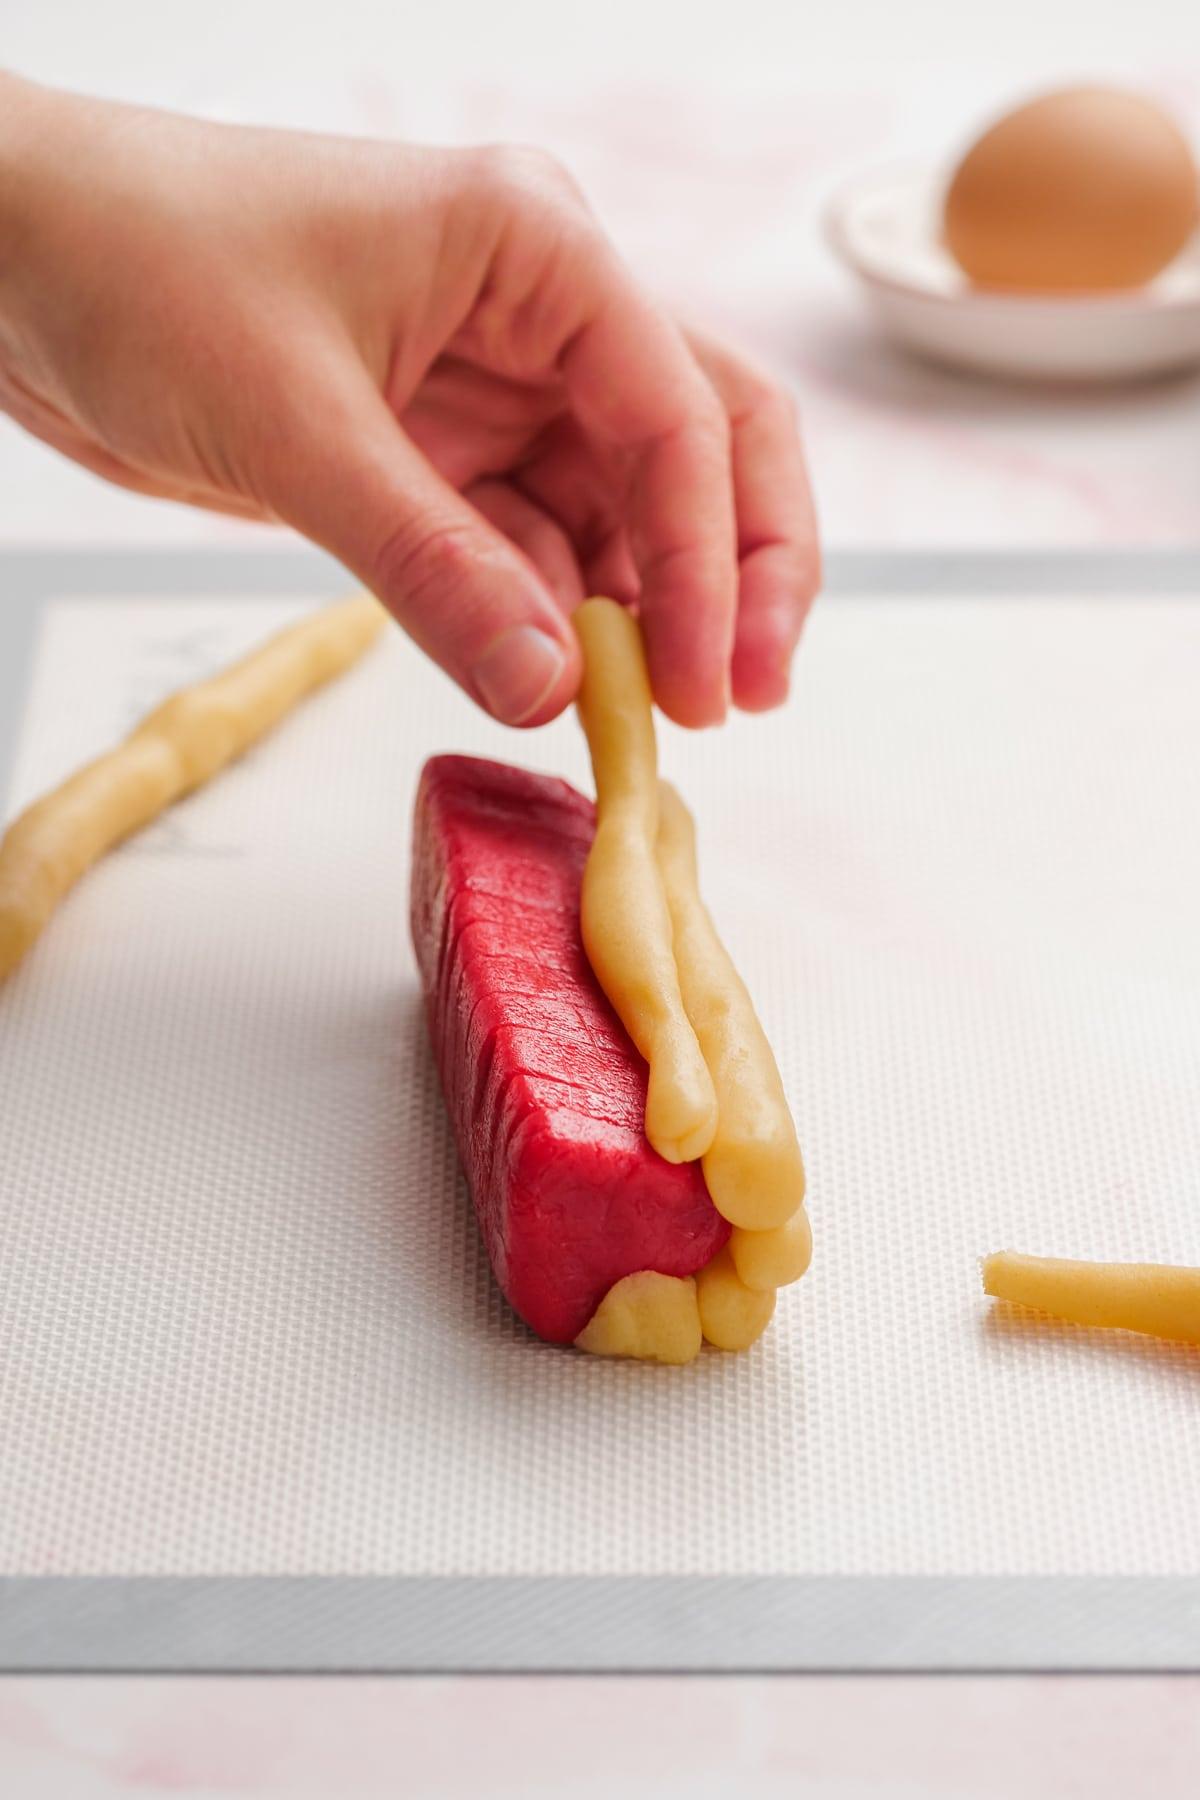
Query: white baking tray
[{"x": 261, "y": 1405}]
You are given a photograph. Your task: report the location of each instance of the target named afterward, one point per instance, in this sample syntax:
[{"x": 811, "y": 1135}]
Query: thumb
[{"x": 461, "y": 590}]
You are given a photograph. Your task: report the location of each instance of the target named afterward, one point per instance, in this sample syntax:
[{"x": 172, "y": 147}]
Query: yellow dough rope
[
  {"x": 753, "y": 1167},
  {"x": 732, "y": 1315},
  {"x": 773, "y": 1258},
  {"x": 182, "y": 744},
  {"x": 1155, "y": 1298},
  {"x": 625, "y": 922},
  {"x": 637, "y": 932}
]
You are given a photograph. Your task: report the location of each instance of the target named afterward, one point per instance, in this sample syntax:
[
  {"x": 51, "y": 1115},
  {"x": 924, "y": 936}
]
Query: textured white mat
[{"x": 244, "y": 1322}]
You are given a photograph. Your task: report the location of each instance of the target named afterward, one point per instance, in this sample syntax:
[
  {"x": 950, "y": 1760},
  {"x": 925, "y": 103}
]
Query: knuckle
[
  {"x": 543, "y": 537},
  {"x": 424, "y": 563},
  {"x": 770, "y": 404},
  {"x": 714, "y": 423},
  {"x": 534, "y": 173}
]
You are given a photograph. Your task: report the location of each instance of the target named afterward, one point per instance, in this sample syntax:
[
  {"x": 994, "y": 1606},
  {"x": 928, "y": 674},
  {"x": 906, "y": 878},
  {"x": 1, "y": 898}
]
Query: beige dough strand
[
  {"x": 179, "y": 746},
  {"x": 753, "y": 1167},
  {"x": 1156, "y": 1298},
  {"x": 625, "y": 922}
]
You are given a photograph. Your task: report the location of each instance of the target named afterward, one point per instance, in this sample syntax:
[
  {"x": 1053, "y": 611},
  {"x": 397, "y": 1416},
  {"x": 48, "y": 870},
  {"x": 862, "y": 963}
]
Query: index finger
[
  {"x": 778, "y": 549},
  {"x": 632, "y": 381}
]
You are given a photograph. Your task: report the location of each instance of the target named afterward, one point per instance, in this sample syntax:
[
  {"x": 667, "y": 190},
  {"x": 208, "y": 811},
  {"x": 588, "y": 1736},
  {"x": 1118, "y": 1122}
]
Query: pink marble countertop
[{"x": 581, "y": 1738}]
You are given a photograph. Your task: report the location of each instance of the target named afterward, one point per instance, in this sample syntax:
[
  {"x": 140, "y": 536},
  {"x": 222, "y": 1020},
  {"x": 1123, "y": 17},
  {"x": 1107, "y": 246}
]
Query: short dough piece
[
  {"x": 1155, "y": 1298},
  {"x": 732, "y": 1316},
  {"x": 650, "y": 1316},
  {"x": 766, "y": 1260},
  {"x": 626, "y": 926}
]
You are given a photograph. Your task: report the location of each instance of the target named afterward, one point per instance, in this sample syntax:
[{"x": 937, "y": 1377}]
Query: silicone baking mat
[{"x": 261, "y": 1404}]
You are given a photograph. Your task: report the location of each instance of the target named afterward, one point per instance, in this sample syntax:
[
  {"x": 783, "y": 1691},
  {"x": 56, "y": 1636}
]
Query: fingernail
[{"x": 517, "y": 671}]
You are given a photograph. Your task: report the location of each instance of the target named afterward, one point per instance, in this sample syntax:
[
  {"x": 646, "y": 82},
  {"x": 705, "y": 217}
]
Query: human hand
[{"x": 431, "y": 362}]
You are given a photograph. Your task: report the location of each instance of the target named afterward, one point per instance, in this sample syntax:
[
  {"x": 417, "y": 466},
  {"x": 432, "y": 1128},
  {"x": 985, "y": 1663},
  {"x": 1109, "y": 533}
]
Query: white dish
[{"x": 885, "y": 228}]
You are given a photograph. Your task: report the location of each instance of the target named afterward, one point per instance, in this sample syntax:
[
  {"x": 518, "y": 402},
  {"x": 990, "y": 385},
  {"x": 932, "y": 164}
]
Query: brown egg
[{"x": 1087, "y": 188}]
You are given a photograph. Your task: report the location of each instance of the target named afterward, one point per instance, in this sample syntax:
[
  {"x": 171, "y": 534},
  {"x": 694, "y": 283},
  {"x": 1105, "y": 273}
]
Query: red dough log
[{"x": 545, "y": 1091}]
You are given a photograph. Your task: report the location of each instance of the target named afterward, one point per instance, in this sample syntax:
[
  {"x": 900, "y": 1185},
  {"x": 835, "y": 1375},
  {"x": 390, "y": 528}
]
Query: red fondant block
[{"x": 545, "y": 1091}]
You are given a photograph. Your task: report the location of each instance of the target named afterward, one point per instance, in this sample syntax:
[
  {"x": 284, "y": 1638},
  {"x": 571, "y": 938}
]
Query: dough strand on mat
[
  {"x": 1158, "y": 1299},
  {"x": 753, "y": 1166},
  {"x": 178, "y": 747},
  {"x": 625, "y": 922}
]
